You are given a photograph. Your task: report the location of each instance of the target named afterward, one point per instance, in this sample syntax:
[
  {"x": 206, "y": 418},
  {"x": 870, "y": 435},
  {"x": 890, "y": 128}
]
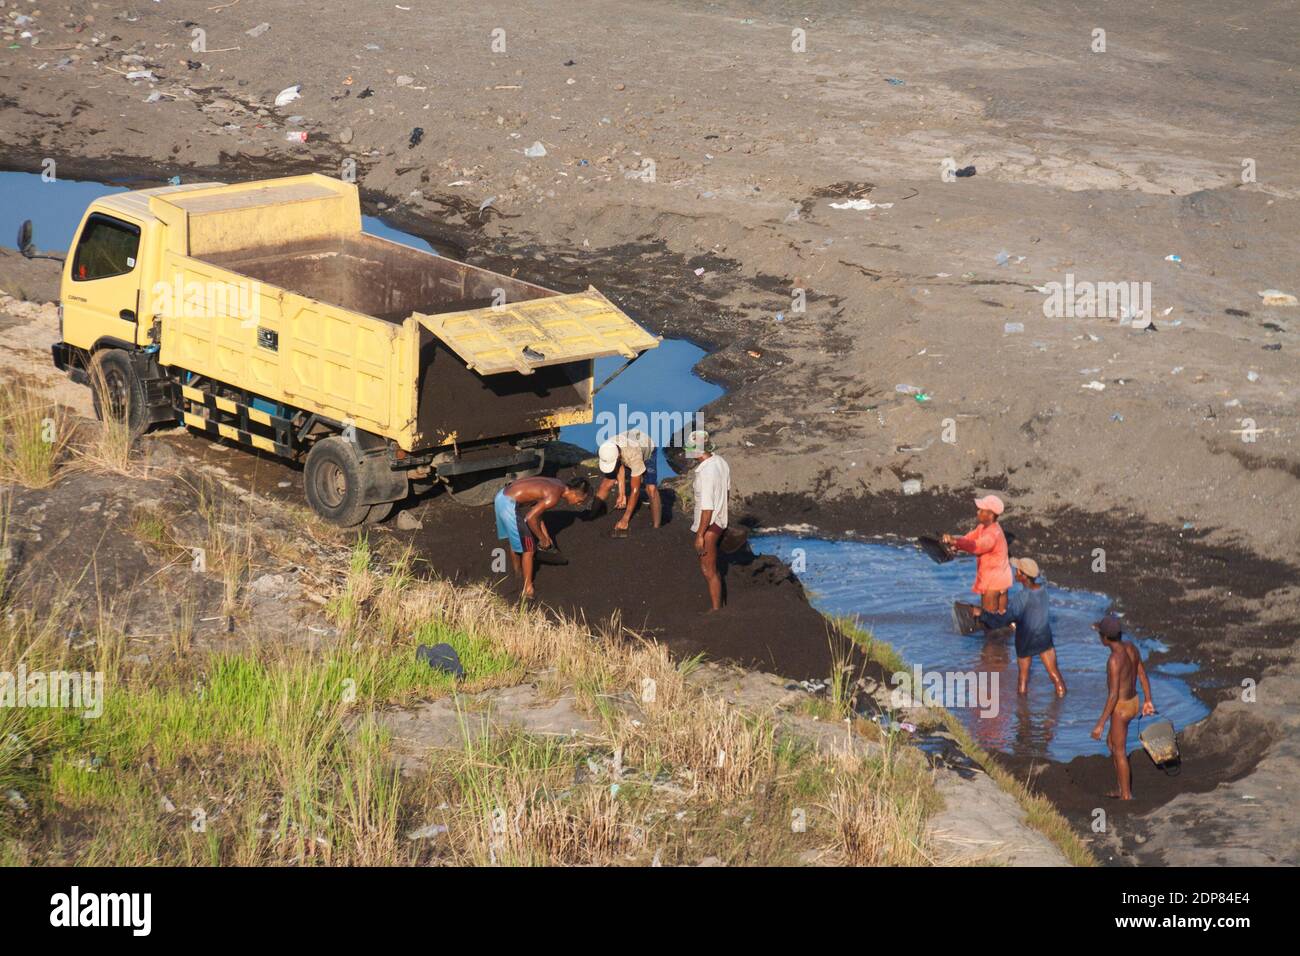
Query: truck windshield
[{"x": 107, "y": 248}]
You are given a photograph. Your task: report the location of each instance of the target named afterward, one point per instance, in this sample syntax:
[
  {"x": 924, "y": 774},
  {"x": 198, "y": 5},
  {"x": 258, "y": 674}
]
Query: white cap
[
  {"x": 696, "y": 443},
  {"x": 608, "y": 457}
]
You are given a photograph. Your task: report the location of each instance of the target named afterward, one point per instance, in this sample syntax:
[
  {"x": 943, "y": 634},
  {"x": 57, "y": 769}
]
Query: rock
[
  {"x": 258, "y": 30},
  {"x": 345, "y": 135},
  {"x": 268, "y": 585},
  {"x": 408, "y": 522},
  {"x": 405, "y": 80}
]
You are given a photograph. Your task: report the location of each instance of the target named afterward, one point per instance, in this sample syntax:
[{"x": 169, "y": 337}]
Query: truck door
[{"x": 101, "y": 287}]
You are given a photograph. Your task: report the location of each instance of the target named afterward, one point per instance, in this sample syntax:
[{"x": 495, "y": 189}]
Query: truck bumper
[{"x": 64, "y": 362}]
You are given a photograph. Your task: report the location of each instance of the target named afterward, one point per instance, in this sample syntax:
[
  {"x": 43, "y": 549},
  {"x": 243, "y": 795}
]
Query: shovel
[{"x": 940, "y": 553}]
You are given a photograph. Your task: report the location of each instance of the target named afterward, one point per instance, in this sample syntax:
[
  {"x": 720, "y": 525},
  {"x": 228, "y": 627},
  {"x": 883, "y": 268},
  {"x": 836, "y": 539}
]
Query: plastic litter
[
  {"x": 912, "y": 486},
  {"x": 862, "y": 205},
  {"x": 965, "y": 172},
  {"x": 1174, "y": 258},
  {"x": 906, "y": 389},
  {"x": 1252, "y": 376},
  {"x": 1278, "y": 297},
  {"x": 417, "y": 134},
  {"x": 893, "y": 81},
  {"x": 536, "y": 151},
  {"x": 296, "y": 136},
  {"x": 1095, "y": 386},
  {"x": 258, "y": 30},
  {"x": 427, "y": 833},
  {"x": 441, "y": 657},
  {"x": 288, "y": 95},
  {"x": 1011, "y": 328}
]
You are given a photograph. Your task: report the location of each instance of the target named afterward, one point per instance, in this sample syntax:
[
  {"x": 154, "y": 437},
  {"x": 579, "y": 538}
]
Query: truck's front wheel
[
  {"x": 118, "y": 392},
  {"x": 333, "y": 480}
]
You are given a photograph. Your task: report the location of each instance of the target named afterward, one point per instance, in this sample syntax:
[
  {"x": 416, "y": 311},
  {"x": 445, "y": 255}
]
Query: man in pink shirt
[{"x": 989, "y": 545}]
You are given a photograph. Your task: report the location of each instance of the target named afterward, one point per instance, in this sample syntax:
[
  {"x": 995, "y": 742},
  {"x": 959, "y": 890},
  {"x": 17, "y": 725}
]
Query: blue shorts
[
  {"x": 511, "y": 525},
  {"x": 651, "y": 474}
]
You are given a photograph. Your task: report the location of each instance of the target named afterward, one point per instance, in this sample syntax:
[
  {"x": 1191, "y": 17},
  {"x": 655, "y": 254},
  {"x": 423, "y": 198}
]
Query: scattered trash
[
  {"x": 1278, "y": 297},
  {"x": 15, "y": 799},
  {"x": 780, "y": 317},
  {"x": 366, "y": 93},
  {"x": 912, "y": 486},
  {"x": 1232, "y": 403},
  {"x": 404, "y": 80},
  {"x": 1117, "y": 417},
  {"x": 921, "y": 397},
  {"x": 345, "y": 135},
  {"x": 862, "y": 205},
  {"x": 1174, "y": 258},
  {"x": 485, "y": 204},
  {"x": 700, "y": 271},
  {"x": 258, "y": 30},
  {"x": 441, "y": 657},
  {"x": 570, "y": 62},
  {"x": 965, "y": 172},
  {"x": 427, "y": 833},
  {"x": 1011, "y": 328},
  {"x": 1240, "y": 313},
  {"x": 153, "y": 97},
  {"x": 288, "y": 95},
  {"x": 1142, "y": 323},
  {"x": 906, "y": 389},
  {"x": 296, "y": 136},
  {"x": 1095, "y": 386},
  {"x": 893, "y": 81},
  {"x": 141, "y": 75},
  {"x": 417, "y": 134},
  {"x": 1274, "y": 347},
  {"x": 1252, "y": 376},
  {"x": 536, "y": 151}
]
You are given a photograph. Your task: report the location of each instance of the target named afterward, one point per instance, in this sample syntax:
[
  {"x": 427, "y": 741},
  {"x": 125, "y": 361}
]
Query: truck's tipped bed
[{"x": 376, "y": 277}]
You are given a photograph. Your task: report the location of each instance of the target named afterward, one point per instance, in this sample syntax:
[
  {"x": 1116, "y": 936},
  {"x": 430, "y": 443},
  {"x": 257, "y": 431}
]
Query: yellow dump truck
[{"x": 261, "y": 313}]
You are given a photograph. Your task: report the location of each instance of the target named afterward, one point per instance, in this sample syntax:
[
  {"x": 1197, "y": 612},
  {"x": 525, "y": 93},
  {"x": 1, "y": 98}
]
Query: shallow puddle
[{"x": 905, "y": 599}]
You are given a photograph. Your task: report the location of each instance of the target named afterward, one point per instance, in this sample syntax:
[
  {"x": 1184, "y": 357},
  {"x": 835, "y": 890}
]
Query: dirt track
[{"x": 1094, "y": 164}]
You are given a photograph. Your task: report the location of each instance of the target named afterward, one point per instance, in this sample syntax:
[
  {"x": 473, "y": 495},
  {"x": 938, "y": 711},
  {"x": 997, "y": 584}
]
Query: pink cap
[{"x": 990, "y": 503}]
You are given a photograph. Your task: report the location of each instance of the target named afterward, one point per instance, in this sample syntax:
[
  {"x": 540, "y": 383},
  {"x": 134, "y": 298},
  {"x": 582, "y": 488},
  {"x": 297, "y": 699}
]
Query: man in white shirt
[
  {"x": 712, "y": 485},
  {"x": 634, "y": 453}
]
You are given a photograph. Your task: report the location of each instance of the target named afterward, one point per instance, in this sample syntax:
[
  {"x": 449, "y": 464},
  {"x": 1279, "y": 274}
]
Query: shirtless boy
[
  {"x": 1123, "y": 671},
  {"x": 519, "y": 508}
]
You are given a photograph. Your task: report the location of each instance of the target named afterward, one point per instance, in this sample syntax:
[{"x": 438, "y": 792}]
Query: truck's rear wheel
[
  {"x": 475, "y": 491},
  {"x": 117, "y": 391},
  {"x": 333, "y": 480}
]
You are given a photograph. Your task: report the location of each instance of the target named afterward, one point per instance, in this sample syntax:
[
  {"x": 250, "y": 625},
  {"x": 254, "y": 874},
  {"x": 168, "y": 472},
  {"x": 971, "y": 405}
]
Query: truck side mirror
[{"x": 25, "y": 244}]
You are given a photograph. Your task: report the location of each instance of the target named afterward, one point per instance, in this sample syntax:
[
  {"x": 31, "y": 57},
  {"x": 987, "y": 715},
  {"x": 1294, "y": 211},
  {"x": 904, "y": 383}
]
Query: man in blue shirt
[{"x": 1030, "y": 618}]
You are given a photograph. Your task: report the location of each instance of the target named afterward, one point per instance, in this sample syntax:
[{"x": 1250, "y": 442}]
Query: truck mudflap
[{"x": 65, "y": 361}]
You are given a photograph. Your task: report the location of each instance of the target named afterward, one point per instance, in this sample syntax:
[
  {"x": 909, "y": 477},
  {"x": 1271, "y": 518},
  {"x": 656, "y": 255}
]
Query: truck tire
[
  {"x": 475, "y": 491},
  {"x": 333, "y": 480},
  {"x": 118, "y": 392}
]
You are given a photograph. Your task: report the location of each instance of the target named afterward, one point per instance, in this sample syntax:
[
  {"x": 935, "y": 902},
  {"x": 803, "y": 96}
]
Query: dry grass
[
  {"x": 34, "y": 436},
  {"x": 107, "y": 446}
]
